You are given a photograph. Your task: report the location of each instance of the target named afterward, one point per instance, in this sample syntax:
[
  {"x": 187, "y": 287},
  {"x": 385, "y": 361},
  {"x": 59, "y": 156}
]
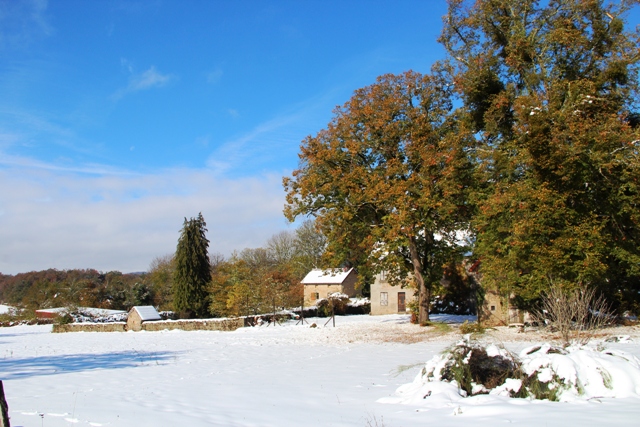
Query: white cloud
[
  {"x": 149, "y": 79},
  {"x": 54, "y": 219}
]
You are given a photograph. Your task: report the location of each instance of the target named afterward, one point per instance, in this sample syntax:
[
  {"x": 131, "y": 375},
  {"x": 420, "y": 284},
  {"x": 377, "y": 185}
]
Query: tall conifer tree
[{"x": 192, "y": 269}]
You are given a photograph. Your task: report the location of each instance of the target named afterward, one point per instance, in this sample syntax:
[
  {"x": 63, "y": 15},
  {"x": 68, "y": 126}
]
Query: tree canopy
[
  {"x": 386, "y": 180},
  {"x": 550, "y": 87}
]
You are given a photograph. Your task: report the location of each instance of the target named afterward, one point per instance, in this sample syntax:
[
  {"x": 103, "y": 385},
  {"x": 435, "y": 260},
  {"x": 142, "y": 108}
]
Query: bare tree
[
  {"x": 282, "y": 247},
  {"x": 310, "y": 245},
  {"x": 576, "y": 314}
]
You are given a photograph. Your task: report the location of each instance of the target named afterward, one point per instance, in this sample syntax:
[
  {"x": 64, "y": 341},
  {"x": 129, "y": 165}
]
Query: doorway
[{"x": 402, "y": 308}]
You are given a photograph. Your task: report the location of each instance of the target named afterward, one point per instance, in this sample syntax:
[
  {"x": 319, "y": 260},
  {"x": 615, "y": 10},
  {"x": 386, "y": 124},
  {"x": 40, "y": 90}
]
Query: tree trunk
[
  {"x": 423, "y": 291},
  {"x": 4, "y": 408}
]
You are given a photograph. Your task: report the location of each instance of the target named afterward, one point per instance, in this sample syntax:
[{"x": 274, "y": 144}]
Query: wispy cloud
[
  {"x": 269, "y": 142},
  {"x": 149, "y": 79},
  {"x": 22, "y": 162},
  {"x": 23, "y": 22},
  {"x": 20, "y": 129},
  {"x": 261, "y": 139},
  {"x": 58, "y": 219}
]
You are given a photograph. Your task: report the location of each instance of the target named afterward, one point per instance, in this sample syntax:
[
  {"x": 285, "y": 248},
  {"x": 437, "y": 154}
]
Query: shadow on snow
[{"x": 11, "y": 369}]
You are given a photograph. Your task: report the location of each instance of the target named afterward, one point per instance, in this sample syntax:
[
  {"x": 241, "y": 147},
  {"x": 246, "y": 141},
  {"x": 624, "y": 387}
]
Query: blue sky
[{"x": 120, "y": 118}]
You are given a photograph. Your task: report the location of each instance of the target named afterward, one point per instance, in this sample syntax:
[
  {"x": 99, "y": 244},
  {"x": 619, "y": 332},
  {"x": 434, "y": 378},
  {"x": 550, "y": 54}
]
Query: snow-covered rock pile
[
  {"x": 538, "y": 372},
  {"x": 82, "y": 315}
]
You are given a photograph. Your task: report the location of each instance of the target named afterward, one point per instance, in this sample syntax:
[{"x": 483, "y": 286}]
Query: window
[
  {"x": 493, "y": 308},
  {"x": 314, "y": 296},
  {"x": 384, "y": 298}
]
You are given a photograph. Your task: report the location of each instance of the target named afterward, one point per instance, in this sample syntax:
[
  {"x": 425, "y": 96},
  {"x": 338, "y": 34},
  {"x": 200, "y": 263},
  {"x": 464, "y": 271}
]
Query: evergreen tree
[
  {"x": 550, "y": 88},
  {"x": 192, "y": 270}
]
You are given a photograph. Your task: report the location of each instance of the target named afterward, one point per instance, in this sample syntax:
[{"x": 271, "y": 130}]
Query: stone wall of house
[
  {"x": 160, "y": 325},
  {"x": 134, "y": 322},
  {"x": 493, "y": 311},
  {"x": 321, "y": 290},
  {"x": 91, "y": 327},
  {"x": 380, "y": 286},
  {"x": 497, "y": 311},
  {"x": 349, "y": 284}
]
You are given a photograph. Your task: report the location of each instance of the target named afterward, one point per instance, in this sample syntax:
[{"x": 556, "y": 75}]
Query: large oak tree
[{"x": 387, "y": 180}]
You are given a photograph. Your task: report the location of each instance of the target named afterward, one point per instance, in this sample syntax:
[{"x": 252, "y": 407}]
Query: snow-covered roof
[
  {"x": 147, "y": 312},
  {"x": 326, "y": 276}
]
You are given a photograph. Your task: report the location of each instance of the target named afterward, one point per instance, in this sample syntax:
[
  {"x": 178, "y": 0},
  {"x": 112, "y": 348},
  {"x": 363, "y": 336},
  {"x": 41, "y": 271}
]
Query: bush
[
  {"x": 471, "y": 328},
  {"x": 576, "y": 314},
  {"x": 335, "y": 303},
  {"x": 475, "y": 371},
  {"x": 539, "y": 372},
  {"x": 64, "y": 319}
]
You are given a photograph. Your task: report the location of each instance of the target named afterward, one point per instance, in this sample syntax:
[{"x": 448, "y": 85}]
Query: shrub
[
  {"x": 576, "y": 314},
  {"x": 64, "y": 319},
  {"x": 475, "y": 371},
  {"x": 539, "y": 372},
  {"x": 471, "y": 328}
]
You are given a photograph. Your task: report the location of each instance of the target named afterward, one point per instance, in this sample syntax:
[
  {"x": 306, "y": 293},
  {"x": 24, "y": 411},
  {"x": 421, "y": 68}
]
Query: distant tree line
[
  {"x": 76, "y": 288},
  {"x": 192, "y": 282}
]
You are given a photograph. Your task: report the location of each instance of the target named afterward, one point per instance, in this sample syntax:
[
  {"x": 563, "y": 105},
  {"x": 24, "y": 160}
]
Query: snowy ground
[{"x": 289, "y": 375}]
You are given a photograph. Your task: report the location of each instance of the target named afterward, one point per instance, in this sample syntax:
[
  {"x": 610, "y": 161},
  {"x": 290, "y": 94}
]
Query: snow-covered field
[{"x": 288, "y": 375}]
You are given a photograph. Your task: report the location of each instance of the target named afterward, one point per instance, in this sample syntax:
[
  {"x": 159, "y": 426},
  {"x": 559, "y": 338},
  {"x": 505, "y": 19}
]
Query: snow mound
[
  {"x": 466, "y": 371},
  {"x": 583, "y": 372}
]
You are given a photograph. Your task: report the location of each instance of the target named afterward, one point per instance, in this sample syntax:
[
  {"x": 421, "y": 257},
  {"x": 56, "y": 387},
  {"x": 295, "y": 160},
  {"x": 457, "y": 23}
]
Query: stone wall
[
  {"x": 91, "y": 327},
  {"x": 194, "y": 325},
  {"x": 160, "y": 325}
]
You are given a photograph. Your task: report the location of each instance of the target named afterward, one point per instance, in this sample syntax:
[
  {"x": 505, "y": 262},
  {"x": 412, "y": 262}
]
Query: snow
[
  {"x": 7, "y": 309},
  {"x": 327, "y": 276},
  {"x": 95, "y": 312},
  {"x": 288, "y": 375}
]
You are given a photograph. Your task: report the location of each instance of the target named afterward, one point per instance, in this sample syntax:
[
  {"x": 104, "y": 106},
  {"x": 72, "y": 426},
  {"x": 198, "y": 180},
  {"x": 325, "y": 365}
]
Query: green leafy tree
[
  {"x": 160, "y": 275},
  {"x": 192, "y": 269},
  {"x": 550, "y": 87},
  {"x": 387, "y": 180}
]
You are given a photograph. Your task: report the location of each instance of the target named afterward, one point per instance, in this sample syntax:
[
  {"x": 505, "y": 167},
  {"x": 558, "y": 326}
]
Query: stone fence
[{"x": 160, "y": 325}]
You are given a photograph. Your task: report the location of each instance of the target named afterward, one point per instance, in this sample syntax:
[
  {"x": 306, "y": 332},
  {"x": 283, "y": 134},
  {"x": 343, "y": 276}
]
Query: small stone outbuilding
[
  {"x": 319, "y": 283},
  {"x": 390, "y": 299},
  {"x": 498, "y": 310},
  {"x": 140, "y": 314}
]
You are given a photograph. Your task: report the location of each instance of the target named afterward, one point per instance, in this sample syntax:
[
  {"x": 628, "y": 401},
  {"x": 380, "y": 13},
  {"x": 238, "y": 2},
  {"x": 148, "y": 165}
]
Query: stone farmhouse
[
  {"x": 319, "y": 283},
  {"x": 390, "y": 299}
]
